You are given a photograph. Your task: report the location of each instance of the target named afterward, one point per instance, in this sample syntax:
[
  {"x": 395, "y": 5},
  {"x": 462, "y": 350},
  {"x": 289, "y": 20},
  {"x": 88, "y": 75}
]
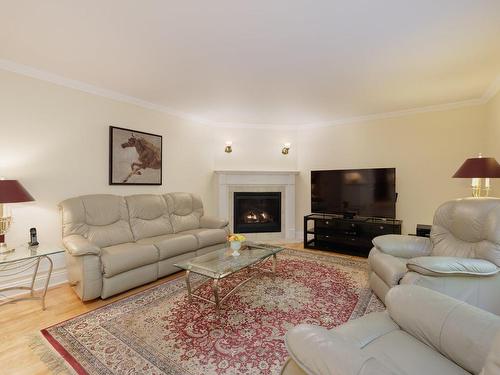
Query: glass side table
[{"x": 22, "y": 259}]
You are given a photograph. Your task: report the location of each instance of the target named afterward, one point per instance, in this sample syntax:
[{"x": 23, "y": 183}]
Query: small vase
[{"x": 235, "y": 246}]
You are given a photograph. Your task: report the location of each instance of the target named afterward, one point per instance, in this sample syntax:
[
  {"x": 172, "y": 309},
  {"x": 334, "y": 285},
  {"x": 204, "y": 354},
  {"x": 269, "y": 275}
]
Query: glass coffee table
[{"x": 219, "y": 264}]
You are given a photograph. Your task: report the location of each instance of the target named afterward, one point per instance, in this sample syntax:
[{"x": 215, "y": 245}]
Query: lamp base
[{"x": 480, "y": 188}]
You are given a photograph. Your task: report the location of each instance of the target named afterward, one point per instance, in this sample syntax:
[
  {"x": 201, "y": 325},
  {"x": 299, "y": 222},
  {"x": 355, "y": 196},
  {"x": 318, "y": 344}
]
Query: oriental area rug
[{"x": 158, "y": 331}]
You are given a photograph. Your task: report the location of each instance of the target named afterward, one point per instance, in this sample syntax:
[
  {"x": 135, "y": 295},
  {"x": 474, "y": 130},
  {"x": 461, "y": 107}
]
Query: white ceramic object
[{"x": 235, "y": 246}]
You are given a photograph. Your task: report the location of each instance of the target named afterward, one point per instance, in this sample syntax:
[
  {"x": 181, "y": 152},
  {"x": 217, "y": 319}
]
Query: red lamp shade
[
  {"x": 11, "y": 191},
  {"x": 479, "y": 168}
]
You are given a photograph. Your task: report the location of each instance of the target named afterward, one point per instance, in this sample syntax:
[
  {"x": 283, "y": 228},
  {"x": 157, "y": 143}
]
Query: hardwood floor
[{"x": 21, "y": 321}]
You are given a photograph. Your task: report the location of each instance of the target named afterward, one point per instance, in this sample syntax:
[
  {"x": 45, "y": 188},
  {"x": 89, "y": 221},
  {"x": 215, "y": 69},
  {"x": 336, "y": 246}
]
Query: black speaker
[{"x": 424, "y": 230}]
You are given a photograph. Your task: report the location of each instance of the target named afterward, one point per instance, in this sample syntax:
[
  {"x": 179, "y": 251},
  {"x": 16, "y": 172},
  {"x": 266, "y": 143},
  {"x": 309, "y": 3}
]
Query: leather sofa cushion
[
  {"x": 149, "y": 215},
  {"x": 125, "y": 257},
  {"x": 185, "y": 211},
  {"x": 101, "y": 218},
  {"x": 171, "y": 245},
  {"x": 446, "y": 266},
  {"x": 209, "y": 237},
  {"x": 109, "y": 235}
]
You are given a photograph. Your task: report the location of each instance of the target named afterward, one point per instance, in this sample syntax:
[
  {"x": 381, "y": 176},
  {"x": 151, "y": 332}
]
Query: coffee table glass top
[
  {"x": 24, "y": 251},
  {"x": 220, "y": 263}
]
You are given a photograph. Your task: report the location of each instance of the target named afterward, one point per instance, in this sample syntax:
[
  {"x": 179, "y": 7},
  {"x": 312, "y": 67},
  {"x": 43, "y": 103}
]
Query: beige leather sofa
[
  {"x": 461, "y": 258},
  {"x": 116, "y": 243},
  {"x": 422, "y": 332}
]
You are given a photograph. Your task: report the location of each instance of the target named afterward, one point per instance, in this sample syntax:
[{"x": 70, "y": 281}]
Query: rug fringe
[{"x": 49, "y": 356}]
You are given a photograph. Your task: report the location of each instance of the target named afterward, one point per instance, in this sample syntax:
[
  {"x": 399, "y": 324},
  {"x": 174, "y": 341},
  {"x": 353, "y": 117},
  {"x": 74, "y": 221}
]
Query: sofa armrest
[
  {"x": 451, "y": 266},
  {"x": 210, "y": 222},
  {"x": 403, "y": 246},
  {"x": 459, "y": 331},
  {"x": 78, "y": 245},
  {"x": 318, "y": 351}
]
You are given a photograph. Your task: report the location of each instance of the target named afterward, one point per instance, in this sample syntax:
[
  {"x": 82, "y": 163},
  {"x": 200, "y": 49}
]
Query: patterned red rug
[{"x": 158, "y": 331}]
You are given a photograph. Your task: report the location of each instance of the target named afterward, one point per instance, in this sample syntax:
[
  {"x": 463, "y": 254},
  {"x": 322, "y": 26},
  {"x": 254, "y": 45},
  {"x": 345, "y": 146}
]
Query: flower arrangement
[
  {"x": 235, "y": 241},
  {"x": 236, "y": 237}
]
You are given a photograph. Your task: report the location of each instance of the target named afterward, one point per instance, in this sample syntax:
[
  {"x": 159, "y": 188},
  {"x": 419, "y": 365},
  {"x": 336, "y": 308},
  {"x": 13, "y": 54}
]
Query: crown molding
[
  {"x": 395, "y": 114},
  {"x": 91, "y": 89},
  {"x": 32, "y": 72}
]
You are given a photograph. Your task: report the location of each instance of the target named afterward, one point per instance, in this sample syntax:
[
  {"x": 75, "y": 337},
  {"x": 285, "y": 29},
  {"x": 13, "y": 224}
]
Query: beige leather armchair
[
  {"x": 461, "y": 258},
  {"x": 422, "y": 332}
]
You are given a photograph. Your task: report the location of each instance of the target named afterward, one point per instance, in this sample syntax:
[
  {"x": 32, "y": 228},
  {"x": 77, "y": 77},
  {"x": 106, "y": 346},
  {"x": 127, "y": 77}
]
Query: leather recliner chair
[
  {"x": 421, "y": 332},
  {"x": 461, "y": 258}
]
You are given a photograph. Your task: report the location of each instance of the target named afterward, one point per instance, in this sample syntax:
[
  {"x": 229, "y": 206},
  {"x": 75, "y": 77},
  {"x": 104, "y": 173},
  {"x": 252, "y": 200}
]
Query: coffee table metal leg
[
  {"x": 215, "y": 289},
  {"x": 188, "y": 285},
  {"x": 274, "y": 263}
]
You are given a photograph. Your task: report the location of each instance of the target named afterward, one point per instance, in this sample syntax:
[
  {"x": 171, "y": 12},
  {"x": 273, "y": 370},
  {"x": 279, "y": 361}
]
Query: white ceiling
[{"x": 281, "y": 62}]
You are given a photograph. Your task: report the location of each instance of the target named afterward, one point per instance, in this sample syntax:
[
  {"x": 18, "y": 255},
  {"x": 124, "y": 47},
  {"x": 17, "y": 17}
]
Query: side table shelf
[{"x": 20, "y": 260}]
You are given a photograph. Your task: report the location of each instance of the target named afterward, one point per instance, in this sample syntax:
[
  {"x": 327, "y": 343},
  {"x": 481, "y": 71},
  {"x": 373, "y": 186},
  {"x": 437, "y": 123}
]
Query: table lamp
[
  {"x": 11, "y": 191},
  {"x": 478, "y": 169}
]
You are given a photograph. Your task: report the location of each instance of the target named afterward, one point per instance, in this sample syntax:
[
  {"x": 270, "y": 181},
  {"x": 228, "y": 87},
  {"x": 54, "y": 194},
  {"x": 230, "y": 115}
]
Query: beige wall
[
  {"x": 493, "y": 121},
  {"x": 493, "y": 135},
  {"x": 257, "y": 149},
  {"x": 426, "y": 150},
  {"x": 55, "y": 141}
]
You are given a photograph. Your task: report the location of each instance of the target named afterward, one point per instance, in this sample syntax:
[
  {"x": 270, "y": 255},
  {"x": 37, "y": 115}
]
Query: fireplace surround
[{"x": 231, "y": 181}]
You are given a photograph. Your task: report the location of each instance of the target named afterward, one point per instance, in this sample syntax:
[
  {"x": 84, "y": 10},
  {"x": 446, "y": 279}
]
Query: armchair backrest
[
  {"x": 461, "y": 332},
  {"x": 468, "y": 228}
]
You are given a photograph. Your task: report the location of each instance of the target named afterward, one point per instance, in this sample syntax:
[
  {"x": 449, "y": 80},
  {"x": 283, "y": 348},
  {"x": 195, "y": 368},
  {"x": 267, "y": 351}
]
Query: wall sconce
[
  {"x": 286, "y": 148},
  {"x": 229, "y": 147}
]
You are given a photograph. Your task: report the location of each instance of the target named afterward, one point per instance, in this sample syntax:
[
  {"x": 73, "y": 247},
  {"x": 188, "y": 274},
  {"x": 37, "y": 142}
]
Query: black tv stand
[{"x": 346, "y": 235}]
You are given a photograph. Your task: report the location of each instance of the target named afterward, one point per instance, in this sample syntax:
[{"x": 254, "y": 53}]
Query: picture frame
[{"x": 135, "y": 157}]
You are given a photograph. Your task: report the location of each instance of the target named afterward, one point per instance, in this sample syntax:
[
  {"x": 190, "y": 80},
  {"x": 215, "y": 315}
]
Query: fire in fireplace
[{"x": 257, "y": 212}]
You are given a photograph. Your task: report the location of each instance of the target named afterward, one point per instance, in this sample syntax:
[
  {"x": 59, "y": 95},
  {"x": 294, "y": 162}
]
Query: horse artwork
[{"x": 135, "y": 157}]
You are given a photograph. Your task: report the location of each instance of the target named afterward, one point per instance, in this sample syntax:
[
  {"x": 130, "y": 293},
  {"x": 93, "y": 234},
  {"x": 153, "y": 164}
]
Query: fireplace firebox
[{"x": 257, "y": 212}]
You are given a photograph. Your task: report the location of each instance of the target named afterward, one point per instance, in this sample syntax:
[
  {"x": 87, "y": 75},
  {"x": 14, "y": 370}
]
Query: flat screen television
[{"x": 363, "y": 192}]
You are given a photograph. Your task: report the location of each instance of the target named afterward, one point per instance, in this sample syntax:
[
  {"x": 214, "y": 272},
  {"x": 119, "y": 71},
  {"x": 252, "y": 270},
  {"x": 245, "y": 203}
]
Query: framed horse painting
[{"x": 135, "y": 158}]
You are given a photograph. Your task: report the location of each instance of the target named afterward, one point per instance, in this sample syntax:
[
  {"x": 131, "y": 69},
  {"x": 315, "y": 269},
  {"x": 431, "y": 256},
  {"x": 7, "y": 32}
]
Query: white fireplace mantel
[{"x": 229, "y": 180}]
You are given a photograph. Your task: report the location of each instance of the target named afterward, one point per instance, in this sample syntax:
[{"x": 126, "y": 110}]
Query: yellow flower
[{"x": 236, "y": 237}]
